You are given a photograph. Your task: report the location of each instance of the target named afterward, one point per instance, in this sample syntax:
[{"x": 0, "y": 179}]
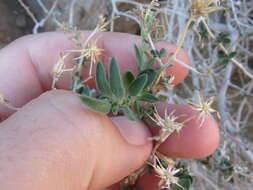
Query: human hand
[{"x": 53, "y": 142}]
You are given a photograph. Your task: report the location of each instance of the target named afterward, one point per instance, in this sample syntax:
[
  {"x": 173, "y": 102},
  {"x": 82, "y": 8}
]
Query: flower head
[
  {"x": 166, "y": 174},
  {"x": 59, "y": 68},
  {"x": 203, "y": 7},
  {"x": 89, "y": 52},
  {"x": 203, "y": 107},
  {"x": 168, "y": 124}
]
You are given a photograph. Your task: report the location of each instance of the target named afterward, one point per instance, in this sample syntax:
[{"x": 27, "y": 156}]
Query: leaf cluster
[
  {"x": 225, "y": 58},
  {"x": 223, "y": 38},
  {"x": 203, "y": 32},
  {"x": 185, "y": 180},
  {"x": 148, "y": 20},
  {"x": 121, "y": 93}
]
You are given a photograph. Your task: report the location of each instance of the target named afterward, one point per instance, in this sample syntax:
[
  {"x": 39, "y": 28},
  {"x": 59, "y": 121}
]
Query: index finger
[{"x": 26, "y": 64}]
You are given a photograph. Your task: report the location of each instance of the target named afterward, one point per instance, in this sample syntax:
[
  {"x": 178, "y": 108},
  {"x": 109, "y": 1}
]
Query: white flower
[
  {"x": 203, "y": 107},
  {"x": 59, "y": 67},
  {"x": 89, "y": 52},
  {"x": 166, "y": 174},
  {"x": 168, "y": 124},
  {"x": 204, "y": 7}
]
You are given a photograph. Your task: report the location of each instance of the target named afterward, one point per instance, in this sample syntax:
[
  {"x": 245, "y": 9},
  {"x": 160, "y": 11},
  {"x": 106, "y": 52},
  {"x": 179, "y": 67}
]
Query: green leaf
[
  {"x": 155, "y": 53},
  {"x": 129, "y": 113},
  {"x": 203, "y": 32},
  {"x": 151, "y": 76},
  {"x": 83, "y": 89},
  {"x": 225, "y": 58},
  {"x": 101, "y": 81},
  {"x": 138, "y": 85},
  {"x": 150, "y": 17},
  {"x": 128, "y": 77},
  {"x": 148, "y": 97},
  {"x": 184, "y": 182},
  {"x": 163, "y": 53},
  {"x": 149, "y": 63},
  {"x": 96, "y": 105},
  {"x": 115, "y": 109},
  {"x": 223, "y": 38},
  {"x": 232, "y": 54},
  {"x": 139, "y": 58},
  {"x": 115, "y": 80},
  {"x": 139, "y": 109}
]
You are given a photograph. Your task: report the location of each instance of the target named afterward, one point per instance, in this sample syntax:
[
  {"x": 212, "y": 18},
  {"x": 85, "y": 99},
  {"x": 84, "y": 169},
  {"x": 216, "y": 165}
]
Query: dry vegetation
[{"x": 219, "y": 45}]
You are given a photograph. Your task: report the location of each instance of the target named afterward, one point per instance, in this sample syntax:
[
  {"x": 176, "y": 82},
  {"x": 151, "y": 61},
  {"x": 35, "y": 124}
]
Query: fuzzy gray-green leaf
[
  {"x": 163, "y": 53},
  {"x": 137, "y": 85},
  {"x": 115, "y": 109},
  {"x": 149, "y": 63},
  {"x": 101, "y": 106},
  {"x": 128, "y": 77},
  {"x": 148, "y": 97},
  {"x": 115, "y": 80},
  {"x": 139, "y": 58},
  {"x": 101, "y": 81},
  {"x": 151, "y": 74},
  {"x": 184, "y": 183},
  {"x": 129, "y": 113}
]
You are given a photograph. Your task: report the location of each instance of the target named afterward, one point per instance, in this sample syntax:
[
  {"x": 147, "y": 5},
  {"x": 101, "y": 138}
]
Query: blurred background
[{"x": 229, "y": 78}]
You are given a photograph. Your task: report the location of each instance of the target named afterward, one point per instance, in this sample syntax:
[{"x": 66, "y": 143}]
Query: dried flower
[
  {"x": 166, "y": 174},
  {"x": 59, "y": 68},
  {"x": 204, "y": 7},
  {"x": 89, "y": 52},
  {"x": 168, "y": 124},
  {"x": 147, "y": 12},
  {"x": 168, "y": 162},
  {"x": 204, "y": 107},
  {"x": 154, "y": 3}
]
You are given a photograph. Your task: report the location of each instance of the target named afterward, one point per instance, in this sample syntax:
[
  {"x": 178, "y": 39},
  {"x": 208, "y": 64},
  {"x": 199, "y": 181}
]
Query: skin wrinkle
[
  {"x": 32, "y": 156},
  {"x": 70, "y": 121},
  {"x": 28, "y": 56},
  {"x": 21, "y": 65},
  {"x": 60, "y": 155},
  {"x": 35, "y": 67}
]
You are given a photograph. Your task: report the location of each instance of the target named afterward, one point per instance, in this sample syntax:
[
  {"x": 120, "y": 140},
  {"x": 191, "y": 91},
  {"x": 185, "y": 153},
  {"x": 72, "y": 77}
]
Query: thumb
[{"x": 53, "y": 142}]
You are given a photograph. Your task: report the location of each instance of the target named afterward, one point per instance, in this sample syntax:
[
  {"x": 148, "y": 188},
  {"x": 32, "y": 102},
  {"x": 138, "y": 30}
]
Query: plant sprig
[
  {"x": 121, "y": 93},
  {"x": 134, "y": 94}
]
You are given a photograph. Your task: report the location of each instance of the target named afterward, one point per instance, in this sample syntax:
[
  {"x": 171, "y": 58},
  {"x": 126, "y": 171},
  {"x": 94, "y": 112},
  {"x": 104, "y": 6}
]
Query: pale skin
[{"x": 54, "y": 142}]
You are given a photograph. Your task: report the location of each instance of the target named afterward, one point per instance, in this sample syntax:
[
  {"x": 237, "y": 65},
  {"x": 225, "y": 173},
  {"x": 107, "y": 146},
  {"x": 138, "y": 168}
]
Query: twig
[
  {"x": 237, "y": 63},
  {"x": 27, "y": 9},
  {"x": 38, "y": 24},
  {"x": 42, "y": 21},
  {"x": 71, "y": 13}
]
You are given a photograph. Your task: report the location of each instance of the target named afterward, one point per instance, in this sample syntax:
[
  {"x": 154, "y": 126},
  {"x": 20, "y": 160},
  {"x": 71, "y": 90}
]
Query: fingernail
[{"x": 134, "y": 132}]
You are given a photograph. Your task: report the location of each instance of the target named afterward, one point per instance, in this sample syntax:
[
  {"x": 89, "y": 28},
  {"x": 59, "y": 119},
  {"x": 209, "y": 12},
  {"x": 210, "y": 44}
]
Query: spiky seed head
[
  {"x": 203, "y": 107},
  {"x": 204, "y": 7}
]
